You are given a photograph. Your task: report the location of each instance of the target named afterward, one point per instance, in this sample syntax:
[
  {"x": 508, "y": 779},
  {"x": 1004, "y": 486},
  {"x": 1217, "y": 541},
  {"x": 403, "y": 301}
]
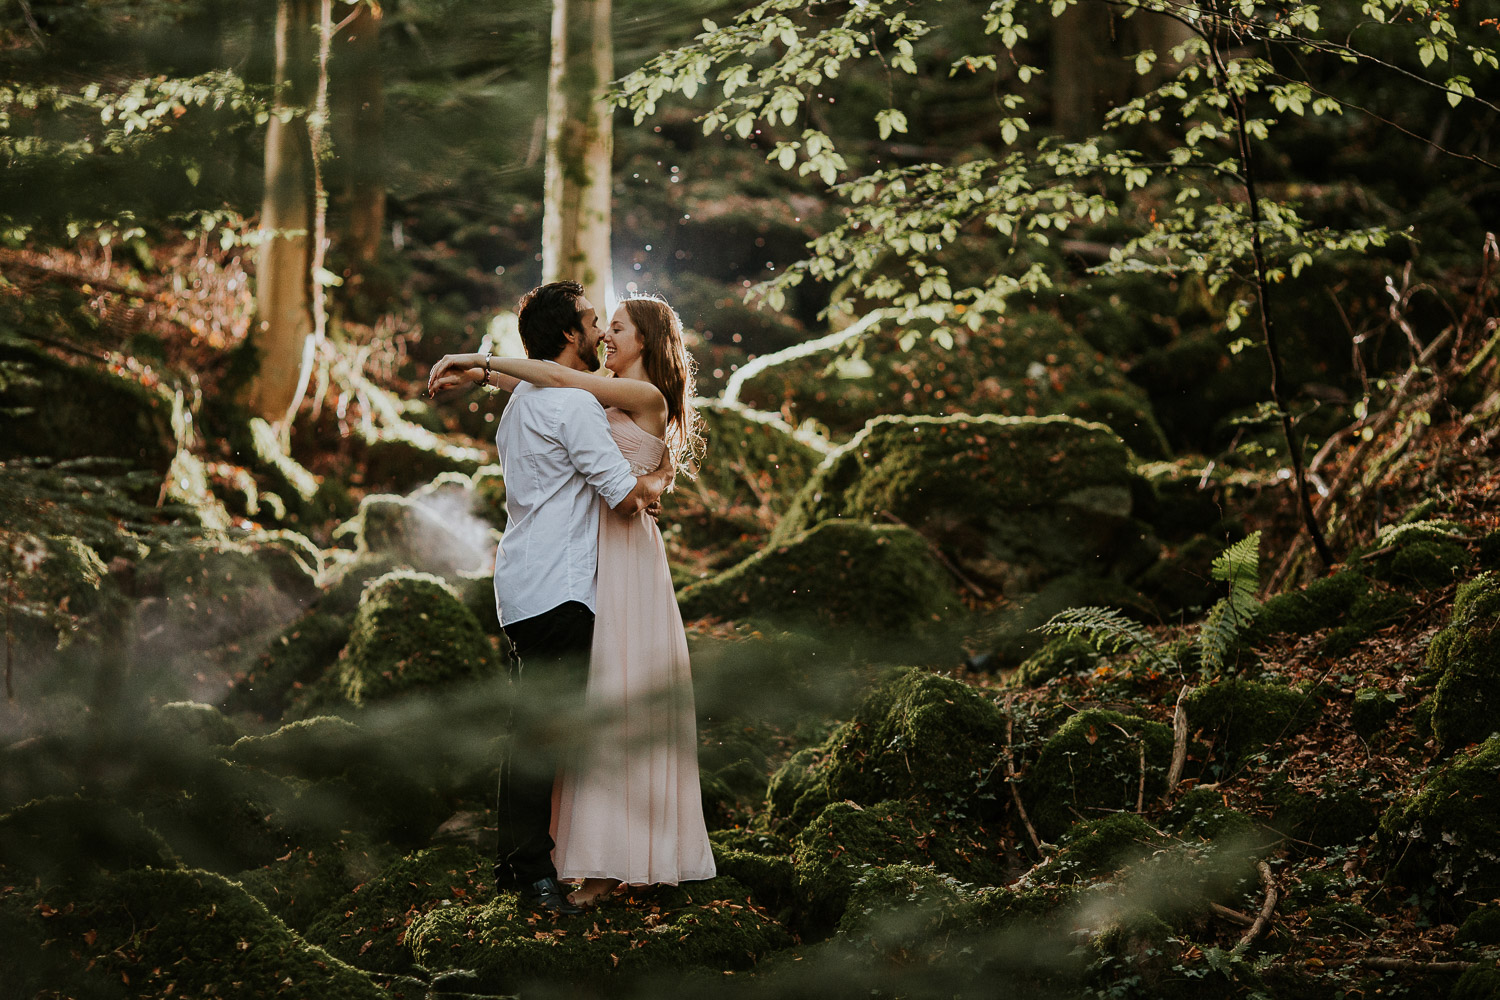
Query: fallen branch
[
  {"x": 1266, "y": 909},
  {"x": 1412, "y": 965},
  {"x": 1243, "y": 919},
  {"x": 1179, "y": 745},
  {"x": 1140, "y": 795},
  {"x": 1010, "y": 779}
]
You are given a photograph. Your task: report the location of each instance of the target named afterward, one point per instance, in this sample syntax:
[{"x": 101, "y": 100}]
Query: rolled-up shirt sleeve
[{"x": 584, "y": 432}]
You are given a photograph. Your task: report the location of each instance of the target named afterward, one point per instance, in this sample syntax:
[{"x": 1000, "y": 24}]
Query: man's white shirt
[{"x": 557, "y": 455}]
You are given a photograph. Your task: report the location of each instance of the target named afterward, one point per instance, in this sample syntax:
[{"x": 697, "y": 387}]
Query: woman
[{"x": 630, "y": 811}]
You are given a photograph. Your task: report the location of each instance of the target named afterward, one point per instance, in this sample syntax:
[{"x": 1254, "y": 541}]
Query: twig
[
  {"x": 1010, "y": 779},
  {"x": 1179, "y": 745},
  {"x": 10, "y": 587},
  {"x": 1140, "y": 794},
  {"x": 1265, "y": 909},
  {"x": 1243, "y": 919}
]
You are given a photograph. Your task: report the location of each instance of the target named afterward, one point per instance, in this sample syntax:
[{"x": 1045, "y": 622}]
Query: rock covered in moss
[
  {"x": 796, "y": 791},
  {"x": 194, "y": 720},
  {"x": 1321, "y": 604},
  {"x": 71, "y": 840},
  {"x": 411, "y": 633},
  {"x": 1419, "y": 554},
  {"x": 1015, "y": 499},
  {"x": 1466, "y": 655},
  {"x": 846, "y": 838},
  {"x": 713, "y": 925},
  {"x": 303, "y": 884},
  {"x": 894, "y": 909},
  {"x": 195, "y": 933},
  {"x": 1336, "y": 809},
  {"x": 1244, "y": 717},
  {"x": 923, "y": 737},
  {"x": 770, "y": 876},
  {"x": 1445, "y": 832},
  {"x": 432, "y": 532},
  {"x": 1202, "y": 813},
  {"x": 1482, "y": 927},
  {"x": 1098, "y": 847},
  {"x": 304, "y": 651},
  {"x": 405, "y": 455},
  {"x": 881, "y": 578},
  {"x": 1095, "y": 762},
  {"x": 1060, "y": 657},
  {"x": 368, "y": 925},
  {"x": 68, "y": 594}
]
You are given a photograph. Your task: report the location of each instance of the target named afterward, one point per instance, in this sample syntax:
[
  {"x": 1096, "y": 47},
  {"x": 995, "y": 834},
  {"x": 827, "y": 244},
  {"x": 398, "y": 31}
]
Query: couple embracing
[{"x": 585, "y": 595}]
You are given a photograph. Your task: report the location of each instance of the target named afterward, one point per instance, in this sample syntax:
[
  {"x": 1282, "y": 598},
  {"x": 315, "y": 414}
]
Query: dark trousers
[{"x": 552, "y": 653}]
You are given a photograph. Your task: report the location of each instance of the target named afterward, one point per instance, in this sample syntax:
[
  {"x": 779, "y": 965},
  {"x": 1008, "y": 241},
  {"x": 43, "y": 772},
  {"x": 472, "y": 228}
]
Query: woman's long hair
[{"x": 672, "y": 370}]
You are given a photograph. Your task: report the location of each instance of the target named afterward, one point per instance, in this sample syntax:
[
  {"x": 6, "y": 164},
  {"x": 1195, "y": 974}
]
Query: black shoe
[{"x": 551, "y": 895}]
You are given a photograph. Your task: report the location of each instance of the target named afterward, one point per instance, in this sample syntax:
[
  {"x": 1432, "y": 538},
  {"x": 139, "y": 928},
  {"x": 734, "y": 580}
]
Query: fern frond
[
  {"x": 1238, "y": 566},
  {"x": 1106, "y": 628}
]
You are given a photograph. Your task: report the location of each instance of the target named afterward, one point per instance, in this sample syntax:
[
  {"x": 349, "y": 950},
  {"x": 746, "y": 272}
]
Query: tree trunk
[
  {"x": 362, "y": 110},
  {"x": 575, "y": 227},
  {"x": 1084, "y": 70},
  {"x": 283, "y": 268}
]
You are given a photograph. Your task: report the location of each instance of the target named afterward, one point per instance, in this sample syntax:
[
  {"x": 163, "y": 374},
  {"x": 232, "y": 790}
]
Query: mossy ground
[
  {"x": 1097, "y": 761},
  {"x": 1466, "y": 657}
]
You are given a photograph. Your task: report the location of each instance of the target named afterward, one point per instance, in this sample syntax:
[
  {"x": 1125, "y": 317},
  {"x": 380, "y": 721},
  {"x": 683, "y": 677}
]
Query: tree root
[{"x": 1266, "y": 909}]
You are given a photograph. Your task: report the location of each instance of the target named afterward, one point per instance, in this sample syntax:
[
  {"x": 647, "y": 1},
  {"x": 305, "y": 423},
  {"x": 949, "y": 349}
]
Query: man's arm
[
  {"x": 583, "y": 430},
  {"x": 647, "y": 490}
]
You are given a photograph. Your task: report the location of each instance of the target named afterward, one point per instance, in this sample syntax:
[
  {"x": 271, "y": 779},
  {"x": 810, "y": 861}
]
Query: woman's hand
[{"x": 454, "y": 370}]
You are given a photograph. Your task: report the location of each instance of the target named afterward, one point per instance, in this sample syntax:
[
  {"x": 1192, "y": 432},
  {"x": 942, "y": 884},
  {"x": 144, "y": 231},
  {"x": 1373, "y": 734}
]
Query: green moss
[
  {"x": 1062, "y": 657},
  {"x": 478, "y": 590},
  {"x": 215, "y": 814},
  {"x": 1421, "y": 554},
  {"x": 1481, "y": 982},
  {"x": 797, "y": 791},
  {"x": 1244, "y": 717},
  {"x": 922, "y": 737},
  {"x": 1333, "y": 811},
  {"x": 1370, "y": 612},
  {"x": 712, "y": 925},
  {"x": 489, "y": 496},
  {"x": 1445, "y": 833},
  {"x": 71, "y": 840},
  {"x": 1482, "y": 927},
  {"x": 193, "y": 720},
  {"x": 1201, "y": 812},
  {"x": 895, "y": 908},
  {"x": 304, "y": 651},
  {"x": 307, "y": 881},
  {"x": 194, "y": 933},
  {"x": 405, "y": 456},
  {"x": 771, "y": 878},
  {"x": 1322, "y": 604},
  {"x": 1098, "y": 847},
  {"x": 1340, "y": 918},
  {"x": 348, "y": 779},
  {"x": 1126, "y": 412},
  {"x": 732, "y": 766},
  {"x": 367, "y": 927},
  {"x": 1005, "y": 487},
  {"x": 411, "y": 633},
  {"x": 1093, "y": 764},
  {"x": 881, "y": 578},
  {"x": 1466, "y": 702},
  {"x": 350, "y": 579},
  {"x": 845, "y": 838}
]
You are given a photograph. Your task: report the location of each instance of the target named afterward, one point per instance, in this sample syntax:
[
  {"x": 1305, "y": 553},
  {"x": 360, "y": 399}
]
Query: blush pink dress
[{"x": 629, "y": 807}]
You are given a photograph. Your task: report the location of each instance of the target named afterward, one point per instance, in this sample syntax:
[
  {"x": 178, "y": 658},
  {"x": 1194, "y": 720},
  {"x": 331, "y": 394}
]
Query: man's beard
[{"x": 590, "y": 358}]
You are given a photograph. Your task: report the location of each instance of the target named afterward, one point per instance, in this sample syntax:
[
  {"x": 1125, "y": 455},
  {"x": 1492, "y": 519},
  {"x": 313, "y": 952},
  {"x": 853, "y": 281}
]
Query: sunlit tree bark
[
  {"x": 283, "y": 270},
  {"x": 575, "y": 229}
]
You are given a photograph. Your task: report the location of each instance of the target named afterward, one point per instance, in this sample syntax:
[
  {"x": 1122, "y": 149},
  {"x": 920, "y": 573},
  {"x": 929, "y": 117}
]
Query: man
[{"x": 557, "y": 454}]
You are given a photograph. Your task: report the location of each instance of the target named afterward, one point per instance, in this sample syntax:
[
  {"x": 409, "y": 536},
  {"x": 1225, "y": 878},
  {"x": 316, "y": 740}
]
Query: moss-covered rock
[
  {"x": 431, "y": 532},
  {"x": 1482, "y": 927},
  {"x": 771, "y": 878},
  {"x": 1202, "y": 813},
  {"x": 894, "y": 909},
  {"x": 1093, "y": 763},
  {"x": 1371, "y": 611},
  {"x": 712, "y": 925},
  {"x": 1480, "y": 982},
  {"x": 367, "y": 927},
  {"x": 922, "y": 737},
  {"x": 304, "y": 651},
  {"x": 1017, "y": 499},
  {"x": 1421, "y": 554},
  {"x": 1061, "y": 657},
  {"x": 411, "y": 632},
  {"x": 193, "y": 720},
  {"x": 348, "y": 778},
  {"x": 1244, "y": 717},
  {"x": 1374, "y": 710},
  {"x": 1334, "y": 810},
  {"x": 349, "y": 578},
  {"x": 307, "y": 881},
  {"x": 846, "y": 838},
  {"x": 1321, "y": 604},
  {"x": 404, "y": 455},
  {"x": 880, "y": 578},
  {"x": 1466, "y": 654},
  {"x": 195, "y": 933},
  {"x": 71, "y": 840},
  {"x": 797, "y": 791},
  {"x": 1098, "y": 847},
  {"x": 1445, "y": 832}
]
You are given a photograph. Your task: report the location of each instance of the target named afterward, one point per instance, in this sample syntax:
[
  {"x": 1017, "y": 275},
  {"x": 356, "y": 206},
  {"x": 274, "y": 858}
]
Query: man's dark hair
[{"x": 545, "y": 314}]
